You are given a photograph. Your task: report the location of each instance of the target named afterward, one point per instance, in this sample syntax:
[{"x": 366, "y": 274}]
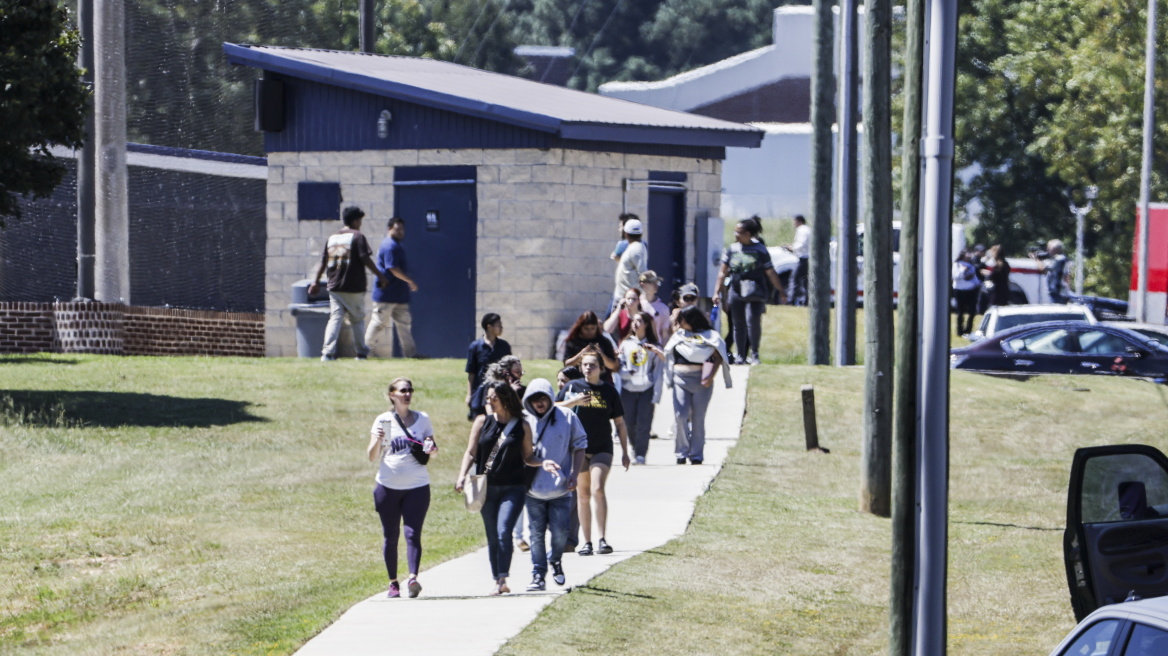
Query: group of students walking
[{"x": 548, "y": 451}]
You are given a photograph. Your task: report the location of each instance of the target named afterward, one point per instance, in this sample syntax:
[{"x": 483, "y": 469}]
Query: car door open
[{"x": 1116, "y": 540}]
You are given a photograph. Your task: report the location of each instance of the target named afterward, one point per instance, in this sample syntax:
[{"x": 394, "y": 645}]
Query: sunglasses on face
[{"x": 405, "y": 390}]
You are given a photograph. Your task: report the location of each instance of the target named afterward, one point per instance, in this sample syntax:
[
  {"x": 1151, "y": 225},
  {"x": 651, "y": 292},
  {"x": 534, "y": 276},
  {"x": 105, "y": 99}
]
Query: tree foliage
[
  {"x": 42, "y": 99},
  {"x": 1049, "y": 101}
]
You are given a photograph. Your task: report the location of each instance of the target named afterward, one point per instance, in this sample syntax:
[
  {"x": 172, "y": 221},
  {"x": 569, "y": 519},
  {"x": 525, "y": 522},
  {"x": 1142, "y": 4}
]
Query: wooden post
[
  {"x": 810, "y": 430},
  {"x": 904, "y": 451},
  {"x": 876, "y": 473},
  {"x": 819, "y": 261}
]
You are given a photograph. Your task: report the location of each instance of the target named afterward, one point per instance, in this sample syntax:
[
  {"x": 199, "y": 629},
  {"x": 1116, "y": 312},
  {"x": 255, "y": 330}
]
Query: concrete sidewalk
[{"x": 648, "y": 506}]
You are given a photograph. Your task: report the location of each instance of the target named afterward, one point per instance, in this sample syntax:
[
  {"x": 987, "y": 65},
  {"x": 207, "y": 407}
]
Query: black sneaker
[
  {"x": 681, "y": 461},
  {"x": 558, "y": 573},
  {"x": 537, "y": 584},
  {"x": 586, "y": 550},
  {"x": 695, "y": 462},
  {"x": 604, "y": 548}
]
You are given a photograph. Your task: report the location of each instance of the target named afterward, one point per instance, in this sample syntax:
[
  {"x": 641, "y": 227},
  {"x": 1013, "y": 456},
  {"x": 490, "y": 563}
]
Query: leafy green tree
[{"x": 42, "y": 99}]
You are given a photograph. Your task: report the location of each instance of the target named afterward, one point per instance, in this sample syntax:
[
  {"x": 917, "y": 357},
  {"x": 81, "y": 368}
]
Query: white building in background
[{"x": 770, "y": 88}]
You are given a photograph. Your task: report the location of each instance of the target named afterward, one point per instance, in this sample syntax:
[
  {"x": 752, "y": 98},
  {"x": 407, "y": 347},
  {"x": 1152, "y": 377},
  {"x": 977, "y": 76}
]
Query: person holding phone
[
  {"x": 619, "y": 322},
  {"x": 402, "y": 441}
]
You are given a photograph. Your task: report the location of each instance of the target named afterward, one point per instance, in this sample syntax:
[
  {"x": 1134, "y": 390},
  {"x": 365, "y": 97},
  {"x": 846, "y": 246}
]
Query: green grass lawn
[
  {"x": 223, "y": 506},
  {"x": 779, "y": 560},
  {"x": 203, "y": 506}
]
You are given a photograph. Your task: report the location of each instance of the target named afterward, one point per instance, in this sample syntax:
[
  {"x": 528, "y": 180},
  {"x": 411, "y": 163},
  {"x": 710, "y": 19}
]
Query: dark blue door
[
  {"x": 667, "y": 234},
  {"x": 438, "y": 205}
]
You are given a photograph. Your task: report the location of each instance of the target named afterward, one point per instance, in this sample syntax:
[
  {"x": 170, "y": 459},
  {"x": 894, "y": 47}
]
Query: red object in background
[{"x": 1157, "y": 249}]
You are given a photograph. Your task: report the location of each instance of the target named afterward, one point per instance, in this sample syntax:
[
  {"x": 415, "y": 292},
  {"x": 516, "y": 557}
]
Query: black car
[{"x": 1066, "y": 347}]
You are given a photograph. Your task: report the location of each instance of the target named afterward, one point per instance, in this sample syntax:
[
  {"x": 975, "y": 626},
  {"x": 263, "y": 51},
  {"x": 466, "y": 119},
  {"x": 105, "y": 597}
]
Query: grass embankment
[
  {"x": 202, "y": 506},
  {"x": 778, "y": 559}
]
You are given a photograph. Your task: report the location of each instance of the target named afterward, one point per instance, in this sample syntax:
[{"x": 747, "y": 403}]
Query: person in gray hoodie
[{"x": 558, "y": 454}]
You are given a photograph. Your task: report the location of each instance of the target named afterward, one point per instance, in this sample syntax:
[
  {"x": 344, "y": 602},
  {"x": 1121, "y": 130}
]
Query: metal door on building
[
  {"x": 667, "y": 230},
  {"x": 439, "y": 208}
]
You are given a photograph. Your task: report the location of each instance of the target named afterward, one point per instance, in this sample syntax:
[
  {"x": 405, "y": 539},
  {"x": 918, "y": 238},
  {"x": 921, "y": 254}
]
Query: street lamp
[{"x": 1080, "y": 213}]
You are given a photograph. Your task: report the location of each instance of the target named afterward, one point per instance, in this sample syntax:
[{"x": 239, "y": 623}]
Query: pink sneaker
[
  {"x": 414, "y": 587},
  {"x": 394, "y": 590}
]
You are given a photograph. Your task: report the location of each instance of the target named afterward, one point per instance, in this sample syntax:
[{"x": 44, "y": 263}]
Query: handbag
[
  {"x": 751, "y": 290},
  {"x": 417, "y": 449},
  {"x": 474, "y": 489}
]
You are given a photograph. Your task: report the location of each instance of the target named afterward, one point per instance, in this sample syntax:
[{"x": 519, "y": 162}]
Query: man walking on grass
[
  {"x": 346, "y": 256},
  {"x": 391, "y": 303}
]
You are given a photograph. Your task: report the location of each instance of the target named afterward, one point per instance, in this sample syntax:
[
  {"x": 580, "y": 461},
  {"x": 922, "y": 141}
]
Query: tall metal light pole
[
  {"x": 368, "y": 37},
  {"x": 845, "y": 252},
  {"x": 86, "y": 161},
  {"x": 1080, "y": 215},
  {"x": 1146, "y": 169},
  {"x": 933, "y": 386}
]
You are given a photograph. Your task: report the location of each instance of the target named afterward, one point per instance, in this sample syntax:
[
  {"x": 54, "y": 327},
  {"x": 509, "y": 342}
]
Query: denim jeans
[
  {"x": 638, "y": 418},
  {"x": 500, "y": 512},
  {"x": 544, "y": 515},
  {"x": 690, "y": 401}
]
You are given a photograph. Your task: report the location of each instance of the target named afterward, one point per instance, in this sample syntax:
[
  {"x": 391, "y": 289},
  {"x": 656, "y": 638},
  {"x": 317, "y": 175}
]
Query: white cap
[{"x": 633, "y": 227}]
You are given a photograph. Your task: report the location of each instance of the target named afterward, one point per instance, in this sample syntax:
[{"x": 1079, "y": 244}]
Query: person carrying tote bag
[{"x": 499, "y": 444}]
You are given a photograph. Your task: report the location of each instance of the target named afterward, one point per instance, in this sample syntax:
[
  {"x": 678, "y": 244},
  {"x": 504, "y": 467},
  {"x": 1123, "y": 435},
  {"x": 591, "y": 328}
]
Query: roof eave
[
  {"x": 662, "y": 135},
  {"x": 247, "y": 56}
]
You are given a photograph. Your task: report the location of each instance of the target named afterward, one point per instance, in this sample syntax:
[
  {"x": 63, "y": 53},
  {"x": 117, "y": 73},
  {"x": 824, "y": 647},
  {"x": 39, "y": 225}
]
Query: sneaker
[
  {"x": 639, "y": 461},
  {"x": 695, "y": 461},
  {"x": 680, "y": 460},
  {"x": 394, "y": 590},
  {"x": 586, "y": 550},
  {"x": 523, "y": 546},
  {"x": 414, "y": 587},
  {"x": 327, "y": 358},
  {"x": 652, "y": 436},
  {"x": 537, "y": 584},
  {"x": 604, "y": 548},
  {"x": 753, "y": 359},
  {"x": 361, "y": 356},
  {"x": 558, "y": 573}
]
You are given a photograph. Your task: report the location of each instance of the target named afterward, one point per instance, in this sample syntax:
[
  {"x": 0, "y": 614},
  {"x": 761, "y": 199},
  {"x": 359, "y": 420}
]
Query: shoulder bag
[
  {"x": 475, "y": 487},
  {"x": 417, "y": 449}
]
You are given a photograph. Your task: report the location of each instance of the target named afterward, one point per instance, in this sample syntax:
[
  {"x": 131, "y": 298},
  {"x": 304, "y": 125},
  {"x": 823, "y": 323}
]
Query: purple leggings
[{"x": 396, "y": 507}]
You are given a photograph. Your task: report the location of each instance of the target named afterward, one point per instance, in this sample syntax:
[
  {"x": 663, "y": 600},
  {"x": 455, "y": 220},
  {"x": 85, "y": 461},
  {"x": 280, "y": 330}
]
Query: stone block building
[{"x": 510, "y": 189}]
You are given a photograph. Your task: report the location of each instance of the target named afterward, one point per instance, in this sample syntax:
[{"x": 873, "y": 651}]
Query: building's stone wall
[
  {"x": 116, "y": 329},
  {"x": 547, "y": 223}
]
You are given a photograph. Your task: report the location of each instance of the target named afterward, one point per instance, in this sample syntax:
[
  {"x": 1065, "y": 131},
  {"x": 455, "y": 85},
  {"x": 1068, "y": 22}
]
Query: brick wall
[
  {"x": 26, "y": 327},
  {"x": 546, "y": 226},
  {"x": 113, "y": 328}
]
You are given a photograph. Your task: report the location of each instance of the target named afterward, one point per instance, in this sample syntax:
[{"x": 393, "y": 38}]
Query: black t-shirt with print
[
  {"x": 603, "y": 406},
  {"x": 344, "y": 260}
]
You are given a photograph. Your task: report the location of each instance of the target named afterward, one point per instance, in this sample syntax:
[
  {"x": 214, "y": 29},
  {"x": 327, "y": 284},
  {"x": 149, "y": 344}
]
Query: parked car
[
  {"x": 1154, "y": 331},
  {"x": 1135, "y": 628},
  {"x": 1004, "y": 317},
  {"x": 1066, "y": 347},
  {"x": 1104, "y": 309}
]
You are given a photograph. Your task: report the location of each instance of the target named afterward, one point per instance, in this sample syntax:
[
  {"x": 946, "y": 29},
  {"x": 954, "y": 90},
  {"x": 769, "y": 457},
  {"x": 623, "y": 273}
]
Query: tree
[{"x": 42, "y": 99}]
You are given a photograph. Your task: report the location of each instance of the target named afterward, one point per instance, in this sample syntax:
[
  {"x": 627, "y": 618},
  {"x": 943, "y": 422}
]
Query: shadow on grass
[
  {"x": 33, "y": 359},
  {"x": 118, "y": 409},
  {"x": 1003, "y": 525},
  {"x": 605, "y": 592}
]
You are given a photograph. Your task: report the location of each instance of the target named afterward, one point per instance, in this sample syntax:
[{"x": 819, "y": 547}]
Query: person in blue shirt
[{"x": 391, "y": 303}]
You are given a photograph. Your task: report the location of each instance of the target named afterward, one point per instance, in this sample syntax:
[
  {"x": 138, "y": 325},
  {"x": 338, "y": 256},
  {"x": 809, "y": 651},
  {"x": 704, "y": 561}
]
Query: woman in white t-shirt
[{"x": 402, "y": 440}]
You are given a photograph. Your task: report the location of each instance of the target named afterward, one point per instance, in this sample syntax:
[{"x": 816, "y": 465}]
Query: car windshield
[{"x": 1007, "y": 321}]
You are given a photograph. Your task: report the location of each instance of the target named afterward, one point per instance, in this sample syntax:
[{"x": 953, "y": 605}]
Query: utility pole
[
  {"x": 822, "y": 115},
  {"x": 86, "y": 165},
  {"x": 933, "y": 390},
  {"x": 876, "y": 474},
  {"x": 112, "y": 220},
  {"x": 368, "y": 33},
  {"x": 1146, "y": 167},
  {"x": 845, "y": 261},
  {"x": 904, "y": 448}
]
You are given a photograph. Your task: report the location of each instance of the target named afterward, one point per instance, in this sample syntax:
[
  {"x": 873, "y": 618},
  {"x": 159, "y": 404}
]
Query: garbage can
[{"x": 312, "y": 315}]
